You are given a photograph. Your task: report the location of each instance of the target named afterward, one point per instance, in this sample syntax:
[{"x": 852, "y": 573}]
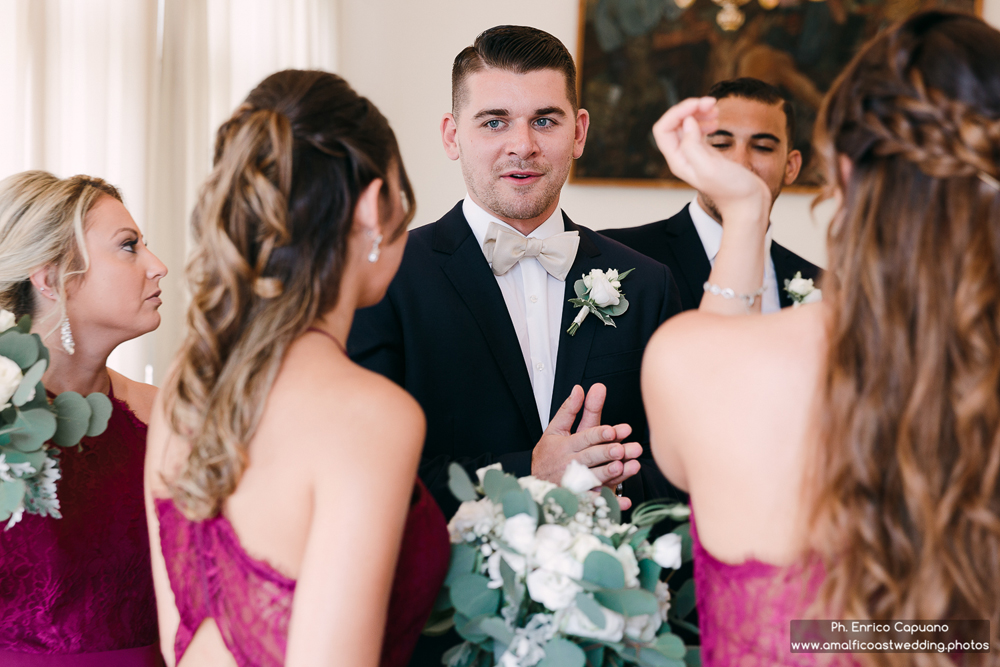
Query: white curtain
[{"x": 132, "y": 91}]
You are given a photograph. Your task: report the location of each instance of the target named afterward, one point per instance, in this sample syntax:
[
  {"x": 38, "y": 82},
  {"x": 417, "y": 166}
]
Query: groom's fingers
[
  {"x": 598, "y": 455},
  {"x": 593, "y": 406},
  {"x": 631, "y": 468},
  {"x": 562, "y": 421},
  {"x": 615, "y": 472}
]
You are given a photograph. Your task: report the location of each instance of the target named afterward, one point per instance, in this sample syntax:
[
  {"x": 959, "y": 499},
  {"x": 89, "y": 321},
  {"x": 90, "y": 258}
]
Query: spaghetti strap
[{"x": 330, "y": 336}]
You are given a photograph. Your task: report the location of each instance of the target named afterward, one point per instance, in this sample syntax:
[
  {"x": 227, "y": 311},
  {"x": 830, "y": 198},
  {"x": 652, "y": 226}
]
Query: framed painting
[{"x": 639, "y": 57}]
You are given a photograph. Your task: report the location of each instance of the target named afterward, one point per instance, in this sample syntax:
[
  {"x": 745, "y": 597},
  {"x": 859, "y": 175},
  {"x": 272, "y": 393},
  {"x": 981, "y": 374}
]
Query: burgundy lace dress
[
  {"x": 78, "y": 591},
  {"x": 251, "y": 603},
  {"x": 744, "y": 611}
]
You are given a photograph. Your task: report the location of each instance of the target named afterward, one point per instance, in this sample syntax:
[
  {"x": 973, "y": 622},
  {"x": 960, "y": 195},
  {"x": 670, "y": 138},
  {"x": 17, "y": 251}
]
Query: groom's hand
[{"x": 597, "y": 446}]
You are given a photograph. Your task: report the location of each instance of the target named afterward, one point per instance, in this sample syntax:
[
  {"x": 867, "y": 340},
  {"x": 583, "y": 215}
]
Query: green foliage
[
  {"x": 591, "y": 609},
  {"x": 497, "y": 484},
  {"x": 459, "y": 483},
  {"x": 684, "y": 600},
  {"x": 693, "y": 657},
  {"x": 19, "y": 347},
  {"x": 649, "y": 574},
  {"x": 100, "y": 413},
  {"x": 604, "y": 570},
  {"x": 628, "y": 601},
  {"x": 472, "y": 596},
  {"x": 566, "y": 499},
  {"x": 614, "y": 509},
  {"x": 11, "y": 494},
  {"x": 684, "y": 530},
  {"x": 563, "y": 653},
  {"x": 519, "y": 502},
  {"x": 463, "y": 561}
]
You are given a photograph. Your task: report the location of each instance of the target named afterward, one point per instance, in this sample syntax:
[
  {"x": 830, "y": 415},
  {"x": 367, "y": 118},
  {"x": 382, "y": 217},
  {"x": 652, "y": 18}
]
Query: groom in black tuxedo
[
  {"x": 475, "y": 323},
  {"x": 756, "y": 129}
]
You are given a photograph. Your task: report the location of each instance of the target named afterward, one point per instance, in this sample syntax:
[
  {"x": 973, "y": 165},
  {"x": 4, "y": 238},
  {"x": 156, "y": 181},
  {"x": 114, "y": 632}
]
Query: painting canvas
[{"x": 638, "y": 57}]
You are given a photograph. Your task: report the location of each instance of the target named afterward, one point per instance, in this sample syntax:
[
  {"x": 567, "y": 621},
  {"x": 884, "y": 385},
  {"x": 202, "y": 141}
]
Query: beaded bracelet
[{"x": 729, "y": 293}]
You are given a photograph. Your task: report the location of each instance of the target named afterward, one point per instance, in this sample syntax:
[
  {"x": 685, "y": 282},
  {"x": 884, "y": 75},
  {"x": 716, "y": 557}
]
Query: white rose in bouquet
[
  {"x": 575, "y": 622},
  {"x": 667, "y": 551},
  {"x": 7, "y": 320},
  {"x": 663, "y": 598},
  {"x": 10, "y": 378},
  {"x": 579, "y": 478},
  {"x": 553, "y": 589},
  {"x": 538, "y": 488},
  {"x": 626, "y": 557},
  {"x": 643, "y": 628},
  {"x": 519, "y": 533}
]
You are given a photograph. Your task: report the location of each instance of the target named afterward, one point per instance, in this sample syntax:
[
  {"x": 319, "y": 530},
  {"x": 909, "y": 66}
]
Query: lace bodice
[
  {"x": 744, "y": 611},
  {"x": 251, "y": 603},
  {"x": 83, "y": 583}
]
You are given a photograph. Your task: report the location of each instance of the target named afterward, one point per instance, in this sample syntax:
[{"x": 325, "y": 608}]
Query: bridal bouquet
[
  {"x": 545, "y": 575},
  {"x": 29, "y": 465}
]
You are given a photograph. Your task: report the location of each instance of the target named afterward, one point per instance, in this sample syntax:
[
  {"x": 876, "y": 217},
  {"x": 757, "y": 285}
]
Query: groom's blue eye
[{"x": 493, "y": 124}]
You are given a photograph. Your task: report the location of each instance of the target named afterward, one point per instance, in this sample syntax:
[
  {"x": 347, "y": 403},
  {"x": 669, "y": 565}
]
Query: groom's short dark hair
[{"x": 514, "y": 48}]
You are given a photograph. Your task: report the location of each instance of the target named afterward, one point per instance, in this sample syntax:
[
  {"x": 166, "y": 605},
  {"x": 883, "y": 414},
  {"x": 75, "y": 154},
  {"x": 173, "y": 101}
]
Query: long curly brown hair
[
  {"x": 908, "y": 511},
  {"x": 271, "y": 230}
]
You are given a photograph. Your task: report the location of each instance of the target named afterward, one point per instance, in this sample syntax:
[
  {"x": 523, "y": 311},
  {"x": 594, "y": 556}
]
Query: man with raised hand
[
  {"x": 475, "y": 323},
  {"x": 756, "y": 129}
]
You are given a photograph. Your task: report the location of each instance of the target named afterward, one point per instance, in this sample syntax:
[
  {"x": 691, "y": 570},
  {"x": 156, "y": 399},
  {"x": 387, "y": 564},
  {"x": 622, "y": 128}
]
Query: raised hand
[
  {"x": 597, "y": 446},
  {"x": 741, "y": 195}
]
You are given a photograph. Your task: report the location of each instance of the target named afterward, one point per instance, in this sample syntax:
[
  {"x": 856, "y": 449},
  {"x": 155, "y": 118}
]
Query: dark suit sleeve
[
  {"x": 434, "y": 473},
  {"x": 672, "y": 301}
]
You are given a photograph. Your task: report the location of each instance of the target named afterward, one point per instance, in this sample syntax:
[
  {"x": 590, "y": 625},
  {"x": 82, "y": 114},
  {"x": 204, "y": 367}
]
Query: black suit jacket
[
  {"x": 675, "y": 242},
  {"x": 443, "y": 333}
]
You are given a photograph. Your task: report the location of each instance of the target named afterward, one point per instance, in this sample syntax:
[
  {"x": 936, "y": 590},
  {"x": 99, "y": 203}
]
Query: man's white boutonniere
[
  {"x": 599, "y": 292},
  {"x": 802, "y": 290}
]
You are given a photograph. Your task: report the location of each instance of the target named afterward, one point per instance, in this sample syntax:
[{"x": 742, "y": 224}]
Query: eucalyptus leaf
[
  {"x": 472, "y": 596},
  {"x": 24, "y": 324},
  {"x": 439, "y": 623},
  {"x": 497, "y": 484},
  {"x": 604, "y": 570},
  {"x": 11, "y": 497},
  {"x": 605, "y": 318},
  {"x": 26, "y": 390},
  {"x": 35, "y": 427},
  {"x": 39, "y": 400},
  {"x": 460, "y": 485},
  {"x": 614, "y": 660},
  {"x": 19, "y": 347},
  {"x": 455, "y": 653},
  {"x": 591, "y": 610},
  {"x": 683, "y": 602},
  {"x": 628, "y": 602},
  {"x": 511, "y": 587},
  {"x": 693, "y": 656},
  {"x": 100, "y": 407},
  {"x": 595, "y": 656},
  {"x": 72, "y": 418},
  {"x": 563, "y": 653},
  {"x": 606, "y": 540},
  {"x": 468, "y": 629},
  {"x": 496, "y": 628},
  {"x": 620, "y": 308},
  {"x": 43, "y": 352},
  {"x": 36, "y": 459},
  {"x": 649, "y": 574},
  {"x": 565, "y": 498},
  {"x": 639, "y": 536},
  {"x": 614, "y": 509},
  {"x": 684, "y": 530},
  {"x": 648, "y": 657},
  {"x": 519, "y": 502},
  {"x": 690, "y": 627},
  {"x": 580, "y": 288},
  {"x": 463, "y": 561},
  {"x": 671, "y": 646}
]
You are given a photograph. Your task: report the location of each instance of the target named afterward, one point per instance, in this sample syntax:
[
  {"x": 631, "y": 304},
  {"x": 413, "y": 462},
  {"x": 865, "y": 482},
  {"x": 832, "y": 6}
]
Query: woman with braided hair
[
  {"x": 285, "y": 514},
  {"x": 843, "y": 458}
]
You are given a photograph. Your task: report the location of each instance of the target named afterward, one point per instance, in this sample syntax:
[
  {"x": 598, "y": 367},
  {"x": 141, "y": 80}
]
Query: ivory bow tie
[{"x": 504, "y": 248}]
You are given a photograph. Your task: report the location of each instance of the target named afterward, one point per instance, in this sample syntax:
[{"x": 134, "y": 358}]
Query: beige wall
[{"x": 399, "y": 53}]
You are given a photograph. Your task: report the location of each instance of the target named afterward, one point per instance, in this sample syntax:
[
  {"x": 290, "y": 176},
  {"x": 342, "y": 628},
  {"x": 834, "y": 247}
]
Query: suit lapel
[
  {"x": 575, "y": 350},
  {"x": 470, "y": 275},
  {"x": 686, "y": 246}
]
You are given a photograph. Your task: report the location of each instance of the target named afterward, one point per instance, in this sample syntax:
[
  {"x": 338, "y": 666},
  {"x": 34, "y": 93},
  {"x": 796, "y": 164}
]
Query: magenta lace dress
[
  {"x": 213, "y": 577},
  {"x": 744, "y": 611},
  {"x": 78, "y": 591}
]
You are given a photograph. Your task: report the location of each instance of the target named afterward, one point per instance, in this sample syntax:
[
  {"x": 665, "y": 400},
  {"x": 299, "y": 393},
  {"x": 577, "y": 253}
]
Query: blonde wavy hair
[
  {"x": 908, "y": 512},
  {"x": 42, "y": 223},
  {"x": 271, "y": 230}
]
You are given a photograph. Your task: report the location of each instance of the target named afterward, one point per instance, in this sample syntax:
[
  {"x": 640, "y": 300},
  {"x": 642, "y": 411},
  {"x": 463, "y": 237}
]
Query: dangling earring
[
  {"x": 67, "y": 336},
  {"x": 373, "y": 255}
]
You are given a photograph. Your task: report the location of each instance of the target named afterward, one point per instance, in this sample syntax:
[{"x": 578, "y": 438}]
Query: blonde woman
[
  {"x": 287, "y": 521},
  {"x": 843, "y": 458},
  {"x": 77, "y": 590}
]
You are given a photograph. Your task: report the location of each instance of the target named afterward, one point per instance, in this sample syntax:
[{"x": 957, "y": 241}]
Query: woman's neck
[{"x": 85, "y": 371}]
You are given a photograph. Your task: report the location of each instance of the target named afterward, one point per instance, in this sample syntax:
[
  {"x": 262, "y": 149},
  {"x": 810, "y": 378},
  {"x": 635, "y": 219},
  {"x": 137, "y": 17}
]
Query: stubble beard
[{"x": 525, "y": 204}]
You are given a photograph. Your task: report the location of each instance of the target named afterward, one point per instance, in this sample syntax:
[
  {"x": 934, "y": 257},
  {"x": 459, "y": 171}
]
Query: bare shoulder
[{"x": 137, "y": 395}]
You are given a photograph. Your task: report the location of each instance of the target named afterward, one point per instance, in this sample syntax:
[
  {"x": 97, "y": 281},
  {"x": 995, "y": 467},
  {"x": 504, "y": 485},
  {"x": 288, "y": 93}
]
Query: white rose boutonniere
[
  {"x": 599, "y": 292},
  {"x": 802, "y": 290}
]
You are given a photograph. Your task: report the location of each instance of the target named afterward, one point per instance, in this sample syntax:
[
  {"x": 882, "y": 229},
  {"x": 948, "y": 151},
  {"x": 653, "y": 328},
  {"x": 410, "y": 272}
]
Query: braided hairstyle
[
  {"x": 271, "y": 229},
  {"x": 908, "y": 510}
]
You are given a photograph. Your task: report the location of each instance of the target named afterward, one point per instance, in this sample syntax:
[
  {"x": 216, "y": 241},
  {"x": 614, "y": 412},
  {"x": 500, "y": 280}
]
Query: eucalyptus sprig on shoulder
[
  {"x": 30, "y": 424},
  {"x": 599, "y": 292}
]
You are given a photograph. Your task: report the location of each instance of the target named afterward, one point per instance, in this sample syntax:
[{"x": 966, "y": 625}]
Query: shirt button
[
  {"x": 540, "y": 366},
  {"x": 534, "y": 299}
]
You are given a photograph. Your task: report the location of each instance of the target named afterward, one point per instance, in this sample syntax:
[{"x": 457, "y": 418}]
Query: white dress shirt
[
  {"x": 535, "y": 302},
  {"x": 710, "y": 233}
]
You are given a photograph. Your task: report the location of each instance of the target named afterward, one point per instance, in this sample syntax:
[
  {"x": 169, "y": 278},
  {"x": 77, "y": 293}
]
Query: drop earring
[
  {"x": 66, "y": 334},
  {"x": 375, "y": 252}
]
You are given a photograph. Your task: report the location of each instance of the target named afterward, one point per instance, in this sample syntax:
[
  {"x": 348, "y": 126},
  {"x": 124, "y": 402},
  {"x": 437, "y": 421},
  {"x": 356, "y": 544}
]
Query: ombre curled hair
[
  {"x": 271, "y": 230},
  {"x": 908, "y": 507}
]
